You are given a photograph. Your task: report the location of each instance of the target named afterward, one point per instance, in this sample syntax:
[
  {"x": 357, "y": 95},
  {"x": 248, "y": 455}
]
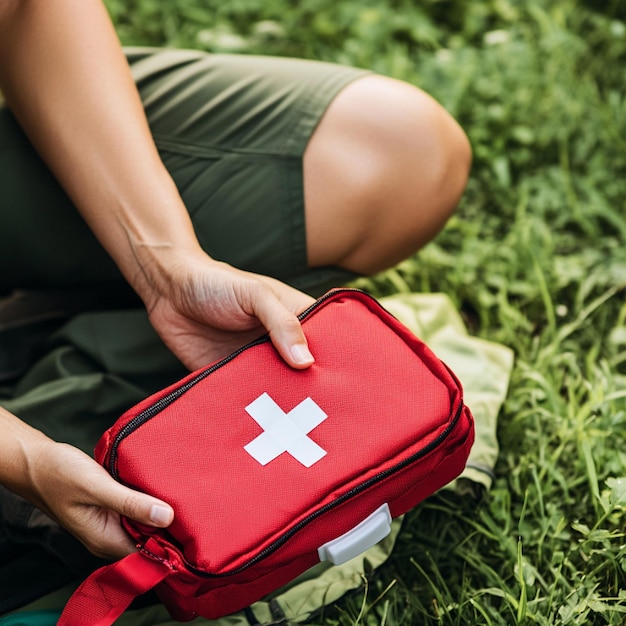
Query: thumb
[
  {"x": 285, "y": 331},
  {"x": 136, "y": 505}
]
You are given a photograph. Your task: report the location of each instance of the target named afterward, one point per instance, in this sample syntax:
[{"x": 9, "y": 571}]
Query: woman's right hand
[
  {"x": 73, "y": 489},
  {"x": 76, "y": 491}
]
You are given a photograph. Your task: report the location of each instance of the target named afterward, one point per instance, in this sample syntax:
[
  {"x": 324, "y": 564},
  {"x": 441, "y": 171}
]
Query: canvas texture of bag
[{"x": 271, "y": 470}]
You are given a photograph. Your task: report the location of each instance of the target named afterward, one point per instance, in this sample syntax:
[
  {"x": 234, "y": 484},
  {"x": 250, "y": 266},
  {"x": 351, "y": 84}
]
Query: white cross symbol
[{"x": 285, "y": 432}]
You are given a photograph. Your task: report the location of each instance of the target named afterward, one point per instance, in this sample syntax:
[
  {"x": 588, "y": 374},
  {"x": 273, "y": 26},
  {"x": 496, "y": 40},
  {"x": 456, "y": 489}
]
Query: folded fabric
[{"x": 483, "y": 367}]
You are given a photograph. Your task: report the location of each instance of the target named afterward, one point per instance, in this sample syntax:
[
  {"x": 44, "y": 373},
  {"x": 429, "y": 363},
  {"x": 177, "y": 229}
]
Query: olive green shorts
[{"x": 231, "y": 129}]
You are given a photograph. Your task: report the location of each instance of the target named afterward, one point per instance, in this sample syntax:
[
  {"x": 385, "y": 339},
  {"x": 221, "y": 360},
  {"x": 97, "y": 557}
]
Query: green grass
[{"x": 535, "y": 258}]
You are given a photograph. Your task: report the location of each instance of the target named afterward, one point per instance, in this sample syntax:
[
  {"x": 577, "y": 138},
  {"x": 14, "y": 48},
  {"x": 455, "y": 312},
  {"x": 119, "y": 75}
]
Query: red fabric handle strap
[{"x": 106, "y": 594}]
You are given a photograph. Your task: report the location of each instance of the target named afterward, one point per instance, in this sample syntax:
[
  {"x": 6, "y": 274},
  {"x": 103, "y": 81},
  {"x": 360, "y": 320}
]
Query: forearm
[
  {"x": 19, "y": 446},
  {"x": 66, "y": 79}
]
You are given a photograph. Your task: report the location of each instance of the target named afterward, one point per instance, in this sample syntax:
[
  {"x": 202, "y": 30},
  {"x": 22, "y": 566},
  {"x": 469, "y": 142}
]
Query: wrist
[
  {"x": 20, "y": 450},
  {"x": 154, "y": 234},
  {"x": 160, "y": 270}
]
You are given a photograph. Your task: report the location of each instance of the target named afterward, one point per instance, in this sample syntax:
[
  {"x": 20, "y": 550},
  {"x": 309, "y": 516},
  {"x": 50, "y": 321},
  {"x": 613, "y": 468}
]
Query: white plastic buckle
[{"x": 360, "y": 538}]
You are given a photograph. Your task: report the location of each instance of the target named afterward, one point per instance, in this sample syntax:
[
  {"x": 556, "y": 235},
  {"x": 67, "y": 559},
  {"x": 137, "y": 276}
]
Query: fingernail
[
  {"x": 160, "y": 515},
  {"x": 301, "y": 354}
]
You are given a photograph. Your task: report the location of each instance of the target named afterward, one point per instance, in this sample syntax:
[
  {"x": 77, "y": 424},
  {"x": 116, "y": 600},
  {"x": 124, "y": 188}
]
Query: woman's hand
[
  {"x": 74, "y": 490},
  {"x": 204, "y": 310}
]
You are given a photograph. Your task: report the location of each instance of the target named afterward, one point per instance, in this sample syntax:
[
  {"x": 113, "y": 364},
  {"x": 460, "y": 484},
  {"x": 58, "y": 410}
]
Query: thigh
[{"x": 231, "y": 130}]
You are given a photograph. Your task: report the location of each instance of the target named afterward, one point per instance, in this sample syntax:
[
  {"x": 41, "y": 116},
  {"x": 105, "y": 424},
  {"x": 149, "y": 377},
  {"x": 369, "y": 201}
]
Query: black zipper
[{"x": 159, "y": 405}]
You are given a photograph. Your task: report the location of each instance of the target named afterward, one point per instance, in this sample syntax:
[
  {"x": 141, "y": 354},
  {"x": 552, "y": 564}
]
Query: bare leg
[{"x": 382, "y": 173}]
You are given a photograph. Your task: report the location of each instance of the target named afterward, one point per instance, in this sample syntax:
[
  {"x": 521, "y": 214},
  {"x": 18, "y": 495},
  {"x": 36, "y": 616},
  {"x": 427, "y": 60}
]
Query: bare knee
[{"x": 383, "y": 173}]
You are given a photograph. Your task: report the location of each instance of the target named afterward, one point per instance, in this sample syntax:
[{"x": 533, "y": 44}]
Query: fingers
[{"x": 111, "y": 542}]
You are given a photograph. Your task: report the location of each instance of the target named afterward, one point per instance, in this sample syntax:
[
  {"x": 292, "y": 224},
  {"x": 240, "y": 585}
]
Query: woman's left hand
[{"x": 204, "y": 310}]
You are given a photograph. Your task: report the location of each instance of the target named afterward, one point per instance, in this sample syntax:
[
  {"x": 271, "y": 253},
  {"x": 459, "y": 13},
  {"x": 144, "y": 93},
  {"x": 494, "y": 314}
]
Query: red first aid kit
[{"x": 271, "y": 470}]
